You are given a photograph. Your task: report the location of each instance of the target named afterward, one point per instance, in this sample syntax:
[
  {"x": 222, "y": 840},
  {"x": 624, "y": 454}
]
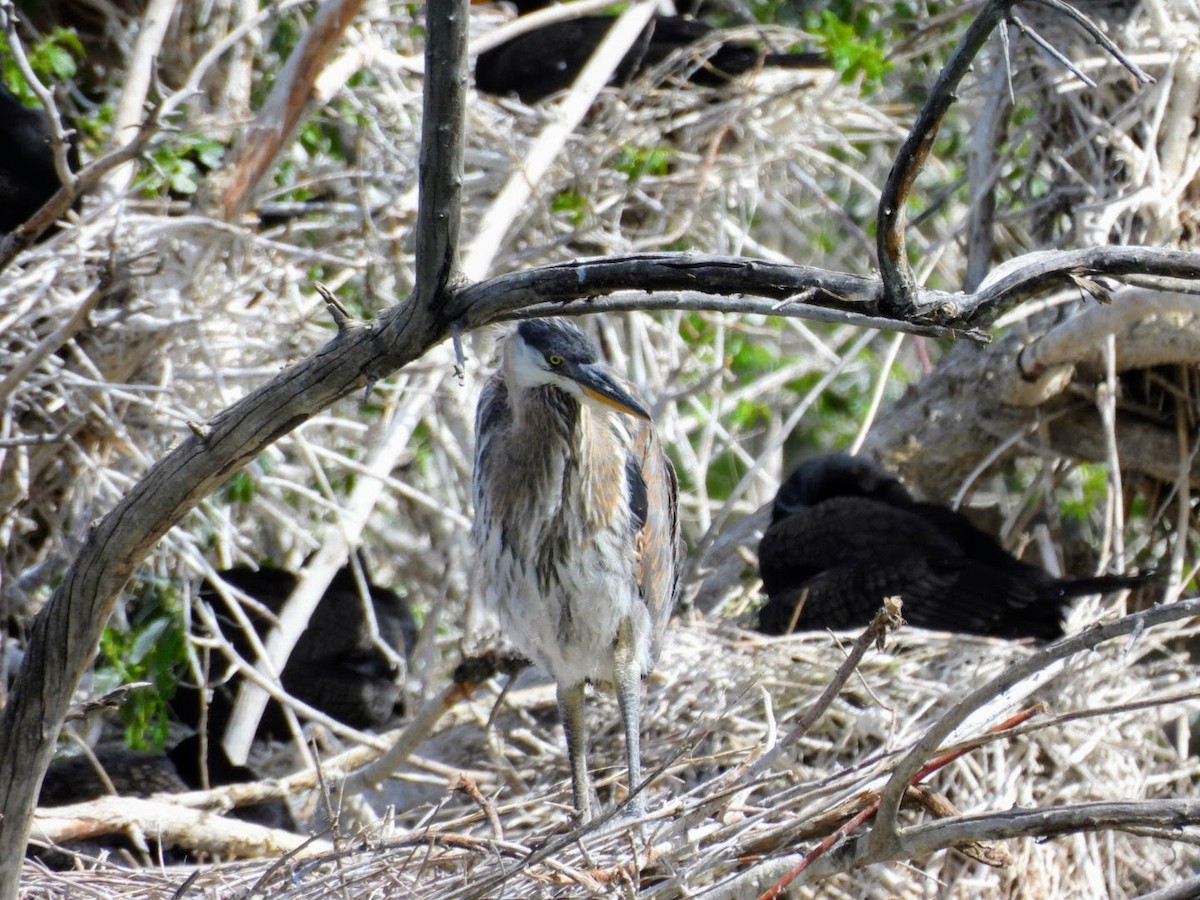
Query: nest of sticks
[{"x": 1109, "y": 726}]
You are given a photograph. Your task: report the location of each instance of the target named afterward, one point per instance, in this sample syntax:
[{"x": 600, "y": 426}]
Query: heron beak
[{"x": 599, "y": 385}]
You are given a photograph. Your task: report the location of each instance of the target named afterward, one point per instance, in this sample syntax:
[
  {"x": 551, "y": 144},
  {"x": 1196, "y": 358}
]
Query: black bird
[
  {"x": 845, "y": 534},
  {"x": 546, "y": 60},
  {"x": 134, "y": 773},
  {"x": 334, "y": 667},
  {"x": 27, "y": 174}
]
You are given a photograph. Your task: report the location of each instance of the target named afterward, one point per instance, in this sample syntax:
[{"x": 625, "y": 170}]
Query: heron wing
[
  {"x": 492, "y": 415},
  {"x": 654, "y": 491}
]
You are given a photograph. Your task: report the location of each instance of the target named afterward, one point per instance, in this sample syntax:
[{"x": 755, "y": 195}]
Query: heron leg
[
  {"x": 627, "y": 674},
  {"x": 570, "y": 710}
]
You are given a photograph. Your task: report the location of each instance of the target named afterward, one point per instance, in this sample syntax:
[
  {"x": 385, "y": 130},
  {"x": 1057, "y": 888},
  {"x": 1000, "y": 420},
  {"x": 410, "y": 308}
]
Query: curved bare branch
[{"x": 886, "y": 837}]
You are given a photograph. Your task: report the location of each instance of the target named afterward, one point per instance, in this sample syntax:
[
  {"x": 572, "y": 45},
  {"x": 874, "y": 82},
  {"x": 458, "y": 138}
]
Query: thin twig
[
  {"x": 281, "y": 114},
  {"x": 568, "y": 113},
  {"x": 888, "y": 618},
  {"x": 899, "y": 286},
  {"x": 1099, "y": 37},
  {"x": 869, "y": 811}
]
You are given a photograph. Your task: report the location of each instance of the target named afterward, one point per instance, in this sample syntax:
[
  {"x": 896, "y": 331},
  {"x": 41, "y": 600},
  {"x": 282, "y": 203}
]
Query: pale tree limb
[
  {"x": 531, "y": 21},
  {"x": 1184, "y": 890},
  {"x": 915, "y": 791},
  {"x": 66, "y": 632},
  {"x": 285, "y": 107},
  {"x": 1106, "y": 815},
  {"x": 567, "y": 113},
  {"x": 923, "y": 840},
  {"x": 335, "y": 547},
  {"x": 918, "y": 841},
  {"x": 1032, "y": 381},
  {"x": 1151, "y": 328},
  {"x": 171, "y": 825},
  {"x": 138, "y": 76}
]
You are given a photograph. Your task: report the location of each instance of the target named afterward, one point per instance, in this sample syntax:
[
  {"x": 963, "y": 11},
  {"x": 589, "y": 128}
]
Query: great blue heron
[
  {"x": 846, "y": 534},
  {"x": 576, "y": 531}
]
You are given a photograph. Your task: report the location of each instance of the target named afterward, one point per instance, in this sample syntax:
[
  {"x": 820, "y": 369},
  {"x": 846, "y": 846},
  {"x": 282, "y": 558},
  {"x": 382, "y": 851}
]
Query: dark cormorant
[
  {"x": 141, "y": 773},
  {"x": 546, "y": 60},
  {"x": 334, "y": 667},
  {"x": 27, "y": 174},
  {"x": 845, "y": 534}
]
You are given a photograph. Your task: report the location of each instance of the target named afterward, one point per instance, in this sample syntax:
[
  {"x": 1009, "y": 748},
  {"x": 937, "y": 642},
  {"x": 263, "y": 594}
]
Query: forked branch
[{"x": 901, "y": 298}]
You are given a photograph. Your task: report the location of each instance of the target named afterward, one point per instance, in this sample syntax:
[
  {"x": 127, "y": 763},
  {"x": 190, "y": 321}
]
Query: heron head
[{"x": 554, "y": 352}]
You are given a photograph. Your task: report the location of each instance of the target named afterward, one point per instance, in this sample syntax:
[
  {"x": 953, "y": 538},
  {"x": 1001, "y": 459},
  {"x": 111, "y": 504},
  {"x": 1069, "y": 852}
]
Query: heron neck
[
  {"x": 543, "y": 412},
  {"x": 554, "y": 433}
]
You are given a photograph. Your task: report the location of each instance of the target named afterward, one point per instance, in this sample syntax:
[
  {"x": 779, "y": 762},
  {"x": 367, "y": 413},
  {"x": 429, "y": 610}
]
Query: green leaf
[
  {"x": 144, "y": 641},
  {"x": 59, "y": 62},
  {"x": 153, "y": 650},
  {"x": 240, "y": 488},
  {"x": 183, "y": 179},
  {"x": 575, "y": 205},
  {"x": 636, "y": 162},
  {"x": 855, "y": 45}
]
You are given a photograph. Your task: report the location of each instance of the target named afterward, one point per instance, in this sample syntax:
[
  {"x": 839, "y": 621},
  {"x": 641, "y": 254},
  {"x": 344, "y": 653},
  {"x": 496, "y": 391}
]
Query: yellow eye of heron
[{"x": 554, "y": 359}]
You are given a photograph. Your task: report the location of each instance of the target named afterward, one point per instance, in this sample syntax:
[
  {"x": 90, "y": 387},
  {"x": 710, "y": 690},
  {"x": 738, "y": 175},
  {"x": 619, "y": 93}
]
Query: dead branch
[
  {"x": 569, "y": 112},
  {"x": 888, "y": 619},
  {"x": 1040, "y": 380},
  {"x": 922, "y": 840},
  {"x": 502, "y": 297},
  {"x": 900, "y": 296},
  {"x": 65, "y": 633},
  {"x": 886, "y": 835},
  {"x": 899, "y": 285},
  {"x": 171, "y": 825},
  {"x": 284, "y": 108}
]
